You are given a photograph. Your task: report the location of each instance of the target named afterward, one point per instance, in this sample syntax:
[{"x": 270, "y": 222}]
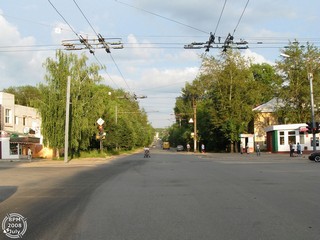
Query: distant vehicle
[
  {"x": 180, "y": 148},
  {"x": 146, "y": 153},
  {"x": 315, "y": 156},
  {"x": 166, "y": 145}
]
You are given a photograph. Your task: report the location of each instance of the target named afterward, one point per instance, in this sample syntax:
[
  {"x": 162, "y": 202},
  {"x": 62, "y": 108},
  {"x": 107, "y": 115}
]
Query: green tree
[
  {"x": 84, "y": 100},
  {"x": 297, "y": 63},
  {"x": 127, "y": 124},
  {"x": 269, "y": 82},
  {"x": 225, "y": 93},
  {"x": 24, "y": 95},
  {"x": 234, "y": 92}
]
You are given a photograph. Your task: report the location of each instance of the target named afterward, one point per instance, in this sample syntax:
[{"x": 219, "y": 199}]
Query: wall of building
[
  {"x": 6, "y": 151},
  {"x": 282, "y": 135},
  {"x": 263, "y": 120},
  {"x": 23, "y": 122}
]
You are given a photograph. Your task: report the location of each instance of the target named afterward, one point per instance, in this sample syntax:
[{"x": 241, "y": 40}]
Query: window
[
  {"x": 8, "y": 116},
  {"x": 292, "y": 137},
  {"x": 16, "y": 120},
  {"x": 24, "y": 121},
  {"x": 13, "y": 149},
  {"x": 281, "y": 138}
]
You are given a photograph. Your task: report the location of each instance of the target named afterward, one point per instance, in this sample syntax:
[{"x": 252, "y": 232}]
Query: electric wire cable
[
  {"x": 160, "y": 16},
  {"x": 85, "y": 17},
  {"x": 99, "y": 36},
  {"x": 240, "y": 17},
  {"x": 224, "y": 5},
  {"x": 120, "y": 73},
  {"x": 79, "y": 36},
  {"x": 102, "y": 67},
  {"x": 64, "y": 19}
]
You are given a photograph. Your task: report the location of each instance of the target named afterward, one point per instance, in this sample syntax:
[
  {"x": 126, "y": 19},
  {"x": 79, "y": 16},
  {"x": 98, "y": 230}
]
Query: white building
[
  {"x": 19, "y": 129},
  {"x": 279, "y": 137}
]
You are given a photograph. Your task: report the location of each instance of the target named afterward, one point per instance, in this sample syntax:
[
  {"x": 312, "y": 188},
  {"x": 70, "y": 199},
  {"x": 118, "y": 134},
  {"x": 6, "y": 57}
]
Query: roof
[
  {"x": 296, "y": 126},
  {"x": 270, "y": 106},
  {"x": 24, "y": 140}
]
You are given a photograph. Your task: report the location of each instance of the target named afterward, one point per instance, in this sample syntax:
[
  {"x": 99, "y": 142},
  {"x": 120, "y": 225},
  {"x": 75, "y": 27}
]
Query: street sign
[{"x": 100, "y": 121}]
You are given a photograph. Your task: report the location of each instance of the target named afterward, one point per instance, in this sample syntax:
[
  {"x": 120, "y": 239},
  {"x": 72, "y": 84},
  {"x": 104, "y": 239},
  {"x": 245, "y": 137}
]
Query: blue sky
[{"x": 153, "y": 61}]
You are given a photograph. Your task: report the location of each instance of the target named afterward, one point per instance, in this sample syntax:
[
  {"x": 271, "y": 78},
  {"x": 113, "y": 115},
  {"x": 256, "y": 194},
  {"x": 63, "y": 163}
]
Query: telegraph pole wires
[
  {"x": 104, "y": 44},
  {"x": 229, "y": 40}
]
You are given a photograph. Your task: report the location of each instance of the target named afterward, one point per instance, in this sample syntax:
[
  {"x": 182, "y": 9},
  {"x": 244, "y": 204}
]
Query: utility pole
[
  {"x": 66, "y": 131},
  {"x": 310, "y": 76},
  {"x": 195, "y": 124}
]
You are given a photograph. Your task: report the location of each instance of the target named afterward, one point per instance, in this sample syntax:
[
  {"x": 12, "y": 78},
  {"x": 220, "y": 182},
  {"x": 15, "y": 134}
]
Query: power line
[
  {"x": 120, "y": 72},
  {"x": 241, "y": 17},
  {"x": 225, "y": 2},
  {"x": 85, "y": 41},
  {"x": 253, "y": 42},
  {"x": 102, "y": 40},
  {"x": 166, "y": 18},
  {"x": 103, "y": 67},
  {"x": 85, "y": 16},
  {"x": 63, "y": 18},
  {"x": 212, "y": 36}
]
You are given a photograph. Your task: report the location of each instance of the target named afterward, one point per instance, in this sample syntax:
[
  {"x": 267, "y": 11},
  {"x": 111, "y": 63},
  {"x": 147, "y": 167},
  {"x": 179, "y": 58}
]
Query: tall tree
[
  {"x": 233, "y": 93},
  {"x": 297, "y": 63},
  {"x": 24, "y": 95},
  {"x": 268, "y": 80},
  {"x": 84, "y": 100}
]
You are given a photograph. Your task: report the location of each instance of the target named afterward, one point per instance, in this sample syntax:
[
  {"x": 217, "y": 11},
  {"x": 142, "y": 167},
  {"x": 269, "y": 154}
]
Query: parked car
[
  {"x": 180, "y": 148},
  {"x": 315, "y": 156}
]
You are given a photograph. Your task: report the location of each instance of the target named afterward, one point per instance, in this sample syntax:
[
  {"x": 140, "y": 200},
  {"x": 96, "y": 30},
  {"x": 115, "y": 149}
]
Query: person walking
[
  {"x": 299, "y": 149},
  {"x": 29, "y": 154},
  {"x": 291, "y": 150},
  {"x": 188, "y": 147},
  {"x": 258, "y": 149},
  {"x": 202, "y": 148}
]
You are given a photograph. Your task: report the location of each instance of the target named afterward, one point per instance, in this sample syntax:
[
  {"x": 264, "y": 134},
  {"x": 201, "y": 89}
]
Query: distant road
[{"x": 170, "y": 196}]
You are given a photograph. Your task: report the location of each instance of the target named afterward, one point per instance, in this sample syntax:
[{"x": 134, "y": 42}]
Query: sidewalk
[
  {"x": 38, "y": 162},
  {"x": 253, "y": 156}
]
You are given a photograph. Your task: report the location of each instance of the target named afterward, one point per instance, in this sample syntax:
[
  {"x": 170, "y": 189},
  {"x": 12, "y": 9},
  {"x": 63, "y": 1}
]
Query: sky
[{"x": 153, "y": 61}]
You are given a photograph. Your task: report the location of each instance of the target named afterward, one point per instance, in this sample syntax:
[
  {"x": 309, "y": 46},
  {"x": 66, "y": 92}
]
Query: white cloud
[
  {"x": 21, "y": 65},
  {"x": 255, "y": 57}
]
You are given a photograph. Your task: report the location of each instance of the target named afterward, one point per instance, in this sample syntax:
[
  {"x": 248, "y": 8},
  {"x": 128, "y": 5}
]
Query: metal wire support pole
[
  {"x": 310, "y": 76},
  {"x": 66, "y": 134}
]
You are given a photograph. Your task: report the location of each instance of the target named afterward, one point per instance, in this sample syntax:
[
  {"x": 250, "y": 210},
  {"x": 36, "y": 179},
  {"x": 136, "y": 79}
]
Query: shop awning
[
  {"x": 303, "y": 129},
  {"x": 24, "y": 140}
]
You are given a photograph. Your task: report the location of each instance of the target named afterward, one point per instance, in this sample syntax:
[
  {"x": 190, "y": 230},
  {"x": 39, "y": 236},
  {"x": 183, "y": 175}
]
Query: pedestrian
[
  {"x": 258, "y": 149},
  {"x": 247, "y": 148},
  {"x": 29, "y": 154},
  {"x": 291, "y": 150},
  {"x": 202, "y": 148},
  {"x": 299, "y": 149},
  {"x": 188, "y": 147},
  {"x": 241, "y": 147}
]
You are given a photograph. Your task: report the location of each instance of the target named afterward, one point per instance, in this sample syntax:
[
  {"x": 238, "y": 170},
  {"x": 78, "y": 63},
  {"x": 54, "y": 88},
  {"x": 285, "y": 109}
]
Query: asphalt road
[{"x": 170, "y": 196}]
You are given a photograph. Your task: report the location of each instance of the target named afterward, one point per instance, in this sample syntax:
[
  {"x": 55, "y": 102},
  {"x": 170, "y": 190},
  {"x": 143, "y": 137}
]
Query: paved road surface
[{"x": 170, "y": 196}]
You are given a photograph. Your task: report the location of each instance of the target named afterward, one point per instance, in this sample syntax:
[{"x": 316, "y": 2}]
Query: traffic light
[{"x": 309, "y": 127}]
